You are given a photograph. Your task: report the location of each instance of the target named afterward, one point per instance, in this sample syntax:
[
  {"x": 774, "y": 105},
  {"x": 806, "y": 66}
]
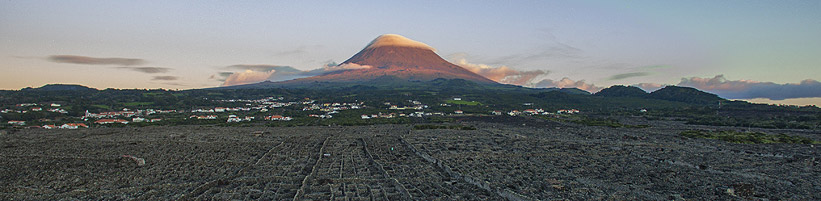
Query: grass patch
[
  {"x": 463, "y": 102},
  {"x": 138, "y": 103},
  {"x": 748, "y": 137},
  {"x": 149, "y": 94},
  {"x": 102, "y": 106},
  {"x": 432, "y": 126}
]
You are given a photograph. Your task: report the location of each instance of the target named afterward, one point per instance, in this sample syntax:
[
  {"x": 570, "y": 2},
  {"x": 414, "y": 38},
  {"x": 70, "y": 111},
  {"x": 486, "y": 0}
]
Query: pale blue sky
[{"x": 654, "y": 41}]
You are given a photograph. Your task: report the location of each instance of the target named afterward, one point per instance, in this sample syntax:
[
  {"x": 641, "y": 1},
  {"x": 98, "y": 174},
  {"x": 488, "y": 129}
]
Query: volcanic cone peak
[
  {"x": 397, "y": 41},
  {"x": 394, "y": 57}
]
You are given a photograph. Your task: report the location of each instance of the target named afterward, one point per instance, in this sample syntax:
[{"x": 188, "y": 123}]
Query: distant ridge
[
  {"x": 60, "y": 87},
  {"x": 685, "y": 94},
  {"x": 669, "y": 93},
  {"x": 622, "y": 91}
]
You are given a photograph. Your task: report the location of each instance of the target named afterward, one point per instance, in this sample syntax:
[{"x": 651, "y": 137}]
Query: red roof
[
  {"x": 103, "y": 121},
  {"x": 77, "y": 124}
]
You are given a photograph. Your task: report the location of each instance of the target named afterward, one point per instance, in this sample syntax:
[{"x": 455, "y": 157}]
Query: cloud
[
  {"x": 649, "y": 87},
  {"x": 397, "y": 40},
  {"x": 166, "y": 78},
  {"x": 348, "y": 66},
  {"x": 749, "y": 89},
  {"x": 247, "y": 77},
  {"x": 628, "y": 75},
  {"x": 147, "y": 69},
  {"x": 274, "y": 73},
  {"x": 568, "y": 83},
  {"x": 221, "y": 76},
  {"x": 656, "y": 67},
  {"x": 253, "y": 73},
  {"x": 501, "y": 74},
  {"x": 176, "y": 84},
  {"x": 299, "y": 50},
  {"x": 329, "y": 68},
  {"x": 262, "y": 67},
  {"x": 74, "y": 59}
]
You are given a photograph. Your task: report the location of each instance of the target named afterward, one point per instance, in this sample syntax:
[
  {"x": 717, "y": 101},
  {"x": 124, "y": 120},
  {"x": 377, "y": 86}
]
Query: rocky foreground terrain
[{"x": 507, "y": 158}]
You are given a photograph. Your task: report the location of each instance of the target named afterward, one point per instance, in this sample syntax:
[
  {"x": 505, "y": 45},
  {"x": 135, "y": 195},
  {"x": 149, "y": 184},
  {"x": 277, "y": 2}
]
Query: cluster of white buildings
[
  {"x": 393, "y": 115},
  {"x": 534, "y": 112},
  {"x": 414, "y": 105},
  {"x": 203, "y": 117},
  {"x": 235, "y": 118},
  {"x": 111, "y": 121},
  {"x": 126, "y": 113},
  {"x": 328, "y": 107},
  {"x": 66, "y": 126},
  {"x": 277, "y": 118},
  {"x": 54, "y": 107}
]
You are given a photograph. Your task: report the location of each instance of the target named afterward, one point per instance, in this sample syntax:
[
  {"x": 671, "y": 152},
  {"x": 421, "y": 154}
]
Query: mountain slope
[
  {"x": 60, "y": 87},
  {"x": 392, "y": 57},
  {"x": 622, "y": 91},
  {"x": 684, "y": 94}
]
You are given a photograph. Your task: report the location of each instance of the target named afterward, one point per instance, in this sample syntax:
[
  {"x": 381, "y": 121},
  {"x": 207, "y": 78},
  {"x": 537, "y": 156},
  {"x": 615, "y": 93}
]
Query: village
[{"x": 270, "y": 109}]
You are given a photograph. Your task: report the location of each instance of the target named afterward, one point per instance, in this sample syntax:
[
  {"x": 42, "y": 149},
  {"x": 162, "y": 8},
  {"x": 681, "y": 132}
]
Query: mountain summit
[{"x": 394, "y": 57}]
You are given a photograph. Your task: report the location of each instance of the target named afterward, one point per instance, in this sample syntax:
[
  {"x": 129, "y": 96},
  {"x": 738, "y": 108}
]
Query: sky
[{"x": 761, "y": 51}]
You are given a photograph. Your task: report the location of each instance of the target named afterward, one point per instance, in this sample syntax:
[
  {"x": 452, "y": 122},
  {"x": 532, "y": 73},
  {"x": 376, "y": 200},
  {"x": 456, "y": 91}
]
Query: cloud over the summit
[
  {"x": 749, "y": 89},
  {"x": 568, "y": 83},
  {"x": 501, "y": 74},
  {"x": 74, "y": 59}
]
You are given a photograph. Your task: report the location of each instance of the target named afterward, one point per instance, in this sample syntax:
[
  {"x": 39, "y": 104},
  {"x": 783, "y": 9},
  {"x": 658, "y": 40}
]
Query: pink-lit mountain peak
[{"x": 396, "y": 56}]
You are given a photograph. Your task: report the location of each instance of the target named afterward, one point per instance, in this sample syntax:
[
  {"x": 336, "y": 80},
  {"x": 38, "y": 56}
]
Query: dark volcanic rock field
[{"x": 517, "y": 159}]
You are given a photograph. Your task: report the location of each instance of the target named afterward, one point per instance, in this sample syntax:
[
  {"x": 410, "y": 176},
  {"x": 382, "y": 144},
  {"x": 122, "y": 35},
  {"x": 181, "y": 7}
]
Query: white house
[
  {"x": 233, "y": 119},
  {"x": 73, "y": 126},
  {"x": 137, "y": 119}
]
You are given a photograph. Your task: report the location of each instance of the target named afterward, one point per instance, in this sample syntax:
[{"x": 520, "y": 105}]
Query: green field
[
  {"x": 152, "y": 94},
  {"x": 138, "y": 103},
  {"x": 102, "y": 106},
  {"x": 462, "y": 102}
]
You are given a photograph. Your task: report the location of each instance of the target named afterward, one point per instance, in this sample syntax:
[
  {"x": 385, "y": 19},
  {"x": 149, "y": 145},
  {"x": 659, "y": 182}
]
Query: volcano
[{"x": 395, "y": 58}]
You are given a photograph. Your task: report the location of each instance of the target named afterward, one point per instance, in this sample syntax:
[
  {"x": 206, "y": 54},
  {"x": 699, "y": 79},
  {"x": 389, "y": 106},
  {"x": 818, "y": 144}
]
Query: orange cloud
[
  {"x": 247, "y": 77},
  {"x": 502, "y": 74}
]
